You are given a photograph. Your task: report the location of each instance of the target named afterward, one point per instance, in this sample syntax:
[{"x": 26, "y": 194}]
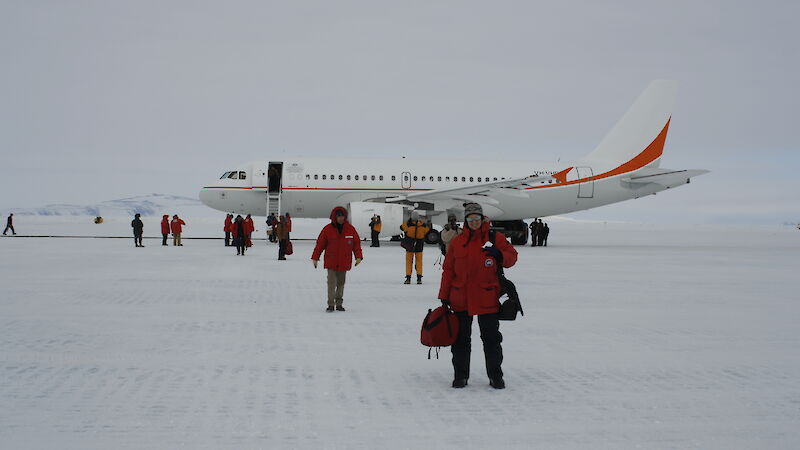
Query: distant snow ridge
[{"x": 146, "y": 205}]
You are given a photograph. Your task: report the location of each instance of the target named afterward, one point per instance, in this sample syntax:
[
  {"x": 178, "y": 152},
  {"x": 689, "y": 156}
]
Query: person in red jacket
[
  {"x": 177, "y": 228},
  {"x": 248, "y": 232},
  {"x": 340, "y": 242},
  {"x": 164, "y": 229},
  {"x": 288, "y": 225},
  {"x": 227, "y": 229},
  {"x": 471, "y": 287}
]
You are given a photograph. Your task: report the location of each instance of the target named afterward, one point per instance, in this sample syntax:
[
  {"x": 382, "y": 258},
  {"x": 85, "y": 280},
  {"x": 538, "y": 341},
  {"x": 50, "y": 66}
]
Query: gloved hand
[
  {"x": 358, "y": 261},
  {"x": 314, "y": 261},
  {"x": 494, "y": 253}
]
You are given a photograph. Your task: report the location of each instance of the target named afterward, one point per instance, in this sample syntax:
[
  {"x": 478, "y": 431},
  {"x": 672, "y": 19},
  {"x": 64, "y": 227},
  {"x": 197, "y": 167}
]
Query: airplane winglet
[{"x": 562, "y": 176}]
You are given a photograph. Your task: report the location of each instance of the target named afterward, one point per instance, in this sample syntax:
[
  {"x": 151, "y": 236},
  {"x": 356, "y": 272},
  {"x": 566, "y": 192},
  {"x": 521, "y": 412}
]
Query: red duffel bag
[{"x": 439, "y": 329}]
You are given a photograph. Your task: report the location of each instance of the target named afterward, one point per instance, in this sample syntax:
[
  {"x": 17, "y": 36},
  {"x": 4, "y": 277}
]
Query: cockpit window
[
  {"x": 242, "y": 175},
  {"x": 224, "y": 175},
  {"x": 234, "y": 176}
]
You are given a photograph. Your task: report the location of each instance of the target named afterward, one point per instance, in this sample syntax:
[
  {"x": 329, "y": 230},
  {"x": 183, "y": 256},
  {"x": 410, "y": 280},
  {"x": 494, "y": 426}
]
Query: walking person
[
  {"x": 471, "y": 287},
  {"x": 375, "y": 230},
  {"x": 282, "y": 234},
  {"x": 415, "y": 230},
  {"x": 164, "y": 229},
  {"x": 238, "y": 230},
  {"x": 138, "y": 230},
  {"x": 10, "y": 225},
  {"x": 227, "y": 227},
  {"x": 340, "y": 242},
  {"x": 176, "y": 226}
]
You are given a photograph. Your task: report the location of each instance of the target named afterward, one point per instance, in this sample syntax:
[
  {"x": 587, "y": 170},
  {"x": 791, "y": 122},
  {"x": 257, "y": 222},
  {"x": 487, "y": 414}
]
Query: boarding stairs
[{"x": 274, "y": 204}]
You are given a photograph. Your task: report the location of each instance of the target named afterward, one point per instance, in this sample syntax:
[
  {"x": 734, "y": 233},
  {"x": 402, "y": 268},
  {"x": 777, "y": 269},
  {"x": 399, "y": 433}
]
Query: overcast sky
[{"x": 105, "y": 99}]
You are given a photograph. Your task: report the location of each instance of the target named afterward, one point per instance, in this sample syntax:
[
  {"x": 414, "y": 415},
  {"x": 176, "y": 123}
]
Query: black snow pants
[
  {"x": 164, "y": 240},
  {"x": 227, "y": 239},
  {"x": 492, "y": 350},
  {"x": 375, "y": 242}
]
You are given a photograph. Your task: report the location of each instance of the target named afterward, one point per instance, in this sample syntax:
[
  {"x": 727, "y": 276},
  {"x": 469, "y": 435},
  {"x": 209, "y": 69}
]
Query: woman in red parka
[
  {"x": 340, "y": 242},
  {"x": 250, "y": 227},
  {"x": 471, "y": 286}
]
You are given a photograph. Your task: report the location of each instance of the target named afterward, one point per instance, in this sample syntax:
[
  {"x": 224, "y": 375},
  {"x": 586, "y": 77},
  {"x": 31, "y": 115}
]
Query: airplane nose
[{"x": 205, "y": 196}]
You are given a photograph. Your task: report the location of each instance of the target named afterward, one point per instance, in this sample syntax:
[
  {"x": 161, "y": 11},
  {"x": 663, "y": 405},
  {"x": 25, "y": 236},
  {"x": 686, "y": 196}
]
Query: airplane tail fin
[{"x": 640, "y": 134}]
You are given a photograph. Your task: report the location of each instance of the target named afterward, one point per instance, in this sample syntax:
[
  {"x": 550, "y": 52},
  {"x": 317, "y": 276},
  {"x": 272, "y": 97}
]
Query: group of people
[
  {"x": 470, "y": 284},
  {"x": 241, "y": 229},
  {"x": 175, "y": 227},
  {"x": 539, "y": 233}
]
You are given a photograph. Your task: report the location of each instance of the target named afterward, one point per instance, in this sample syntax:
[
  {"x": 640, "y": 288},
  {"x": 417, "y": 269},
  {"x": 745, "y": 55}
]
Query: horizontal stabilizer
[{"x": 664, "y": 177}]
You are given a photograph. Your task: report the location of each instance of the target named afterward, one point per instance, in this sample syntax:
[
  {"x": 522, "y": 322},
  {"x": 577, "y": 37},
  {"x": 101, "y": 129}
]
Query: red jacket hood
[{"x": 333, "y": 213}]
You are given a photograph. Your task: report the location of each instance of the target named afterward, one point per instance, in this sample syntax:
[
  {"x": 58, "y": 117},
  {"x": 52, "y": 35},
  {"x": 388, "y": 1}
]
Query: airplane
[{"x": 624, "y": 166}]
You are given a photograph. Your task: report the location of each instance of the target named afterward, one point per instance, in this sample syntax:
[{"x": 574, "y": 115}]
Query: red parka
[
  {"x": 469, "y": 280},
  {"x": 339, "y": 246},
  {"x": 248, "y": 225},
  {"x": 288, "y": 224},
  {"x": 177, "y": 225},
  {"x": 165, "y": 224},
  {"x": 228, "y": 224}
]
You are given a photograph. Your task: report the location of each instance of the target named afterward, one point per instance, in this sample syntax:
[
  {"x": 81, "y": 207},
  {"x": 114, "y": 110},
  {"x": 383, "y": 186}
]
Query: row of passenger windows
[
  {"x": 405, "y": 178},
  {"x": 234, "y": 175}
]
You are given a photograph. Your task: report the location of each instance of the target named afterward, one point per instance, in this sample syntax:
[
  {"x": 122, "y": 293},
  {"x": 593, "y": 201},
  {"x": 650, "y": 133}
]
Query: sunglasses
[{"x": 474, "y": 219}]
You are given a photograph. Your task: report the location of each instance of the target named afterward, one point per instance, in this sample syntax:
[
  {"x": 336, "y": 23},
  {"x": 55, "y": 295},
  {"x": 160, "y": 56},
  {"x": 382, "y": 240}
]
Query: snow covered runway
[{"x": 635, "y": 337}]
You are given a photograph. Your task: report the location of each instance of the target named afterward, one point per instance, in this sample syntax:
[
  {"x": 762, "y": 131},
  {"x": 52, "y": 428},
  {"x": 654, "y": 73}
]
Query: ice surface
[{"x": 635, "y": 337}]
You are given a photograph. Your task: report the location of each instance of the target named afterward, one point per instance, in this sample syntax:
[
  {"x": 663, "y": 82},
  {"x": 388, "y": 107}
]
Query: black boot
[
  {"x": 419, "y": 279},
  {"x": 408, "y": 279},
  {"x": 497, "y": 383},
  {"x": 340, "y": 308},
  {"x": 459, "y": 383}
]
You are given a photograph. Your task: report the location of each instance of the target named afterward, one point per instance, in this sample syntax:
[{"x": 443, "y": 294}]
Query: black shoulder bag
[{"x": 509, "y": 307}]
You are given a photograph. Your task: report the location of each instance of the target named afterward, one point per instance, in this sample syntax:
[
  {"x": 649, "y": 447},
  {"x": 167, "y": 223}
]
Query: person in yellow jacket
[
  {"x": 414, "y": 243},
  {"x": 375, "y": 227}
]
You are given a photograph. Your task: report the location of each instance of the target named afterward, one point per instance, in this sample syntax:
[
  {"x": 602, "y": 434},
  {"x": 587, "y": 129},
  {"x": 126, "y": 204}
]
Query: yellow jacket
[{"x": 415, "y": 230}]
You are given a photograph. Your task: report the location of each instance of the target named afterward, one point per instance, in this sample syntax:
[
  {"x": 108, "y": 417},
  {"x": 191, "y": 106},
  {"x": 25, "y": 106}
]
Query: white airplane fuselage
[{"x": 624, "y": 166}]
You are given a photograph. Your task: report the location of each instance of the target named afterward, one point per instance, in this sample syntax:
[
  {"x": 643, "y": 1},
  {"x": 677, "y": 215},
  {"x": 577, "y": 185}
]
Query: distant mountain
[{"x": 146, "y": 205}]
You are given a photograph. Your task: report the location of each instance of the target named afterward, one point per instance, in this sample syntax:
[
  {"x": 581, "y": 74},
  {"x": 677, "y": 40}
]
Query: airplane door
[
  {"x": 274, "y": 177},
  {"x": 405, "y": 180},
  {"x": 586, "y": 188}
]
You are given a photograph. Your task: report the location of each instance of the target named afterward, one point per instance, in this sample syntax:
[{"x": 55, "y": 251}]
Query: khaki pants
[
  {"x": 410, "y": 259},
  {"x": 336, "y": 287},
  {"x": 176, "y": 239}
]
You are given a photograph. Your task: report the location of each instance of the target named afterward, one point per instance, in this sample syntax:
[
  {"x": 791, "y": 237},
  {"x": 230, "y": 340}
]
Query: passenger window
[
  {"x": 380, "y": 177},
  {"x": 415, "y": 178},
  {"x": 324, "y": 177},
  {"x": 495, "y": 179},
  {"x": 438, "y": 178},
  {"x": 479, "y": 179},
  {"x": 348, "y": 177},
  {"x": 446, "y": 178},
  {"x": 423, "y": 178},
  {"x": 471, "y": 179},
  {"x": 341, "y": 177},
  {"x": 394, "y": 178},
  {"x": 373, "y": 178}
]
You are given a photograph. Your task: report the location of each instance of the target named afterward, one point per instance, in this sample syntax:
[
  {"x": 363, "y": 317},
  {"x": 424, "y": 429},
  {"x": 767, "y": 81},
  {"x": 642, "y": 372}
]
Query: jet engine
[{"x": 360, "y": 214}]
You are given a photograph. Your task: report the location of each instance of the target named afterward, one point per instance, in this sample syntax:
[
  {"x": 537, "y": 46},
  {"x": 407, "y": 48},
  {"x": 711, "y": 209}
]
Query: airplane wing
[{"x": 483, "y": 191}]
